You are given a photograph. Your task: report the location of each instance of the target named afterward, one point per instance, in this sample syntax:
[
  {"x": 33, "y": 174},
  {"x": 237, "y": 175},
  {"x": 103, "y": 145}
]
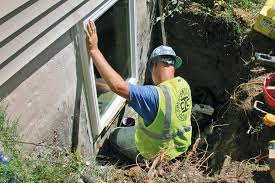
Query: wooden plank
[
  {"x": 89, "y": 81},
  {"x": 42, "y": 43},
  {"x": 9, "y": 6},
  {"x": 23, "y": 18}
]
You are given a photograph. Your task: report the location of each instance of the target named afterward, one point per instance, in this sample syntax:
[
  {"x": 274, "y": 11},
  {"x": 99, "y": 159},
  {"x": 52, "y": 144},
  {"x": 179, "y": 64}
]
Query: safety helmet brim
[{"x": 177, "y": 60}]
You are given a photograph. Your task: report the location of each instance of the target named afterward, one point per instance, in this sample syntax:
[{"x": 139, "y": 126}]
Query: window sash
[{"x": 97, "y": 124}]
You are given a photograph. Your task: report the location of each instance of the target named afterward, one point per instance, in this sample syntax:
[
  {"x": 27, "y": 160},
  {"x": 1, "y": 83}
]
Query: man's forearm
[{"x": 112, "y": 78}]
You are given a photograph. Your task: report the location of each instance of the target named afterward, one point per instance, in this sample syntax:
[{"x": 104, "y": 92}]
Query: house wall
[{"x": 45, "y": 93}]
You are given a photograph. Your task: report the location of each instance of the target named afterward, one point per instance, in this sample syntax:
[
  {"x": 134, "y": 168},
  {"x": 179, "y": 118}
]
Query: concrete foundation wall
[
  {"x": 47, "y": 97},
  {"x": 50, "y": 99}
]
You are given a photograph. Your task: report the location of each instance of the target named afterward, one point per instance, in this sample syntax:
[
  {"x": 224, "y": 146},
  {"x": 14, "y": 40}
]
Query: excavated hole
[{"x": 215, "y": 63}]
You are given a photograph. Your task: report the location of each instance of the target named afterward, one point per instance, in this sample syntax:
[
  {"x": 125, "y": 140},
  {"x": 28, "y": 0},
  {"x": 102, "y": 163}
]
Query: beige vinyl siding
[{"x": 27, "y": 33}]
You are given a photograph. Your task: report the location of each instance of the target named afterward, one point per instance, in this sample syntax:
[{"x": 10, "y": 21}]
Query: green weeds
[
  {"x": 222, "y": 8},
  {"x": 252, "y": 6},
  {"x": 45, "y": 163}
]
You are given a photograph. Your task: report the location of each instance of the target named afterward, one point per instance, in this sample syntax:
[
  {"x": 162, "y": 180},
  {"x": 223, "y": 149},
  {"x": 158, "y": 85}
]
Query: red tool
[{"x": 269, "y": 90}]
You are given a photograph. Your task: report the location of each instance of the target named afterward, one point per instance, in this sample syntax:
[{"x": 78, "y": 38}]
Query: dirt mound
[
  {"x": 245, "y": 138},
  {"x": 218, "y": 64},
  {"x": 176, "y": 174}
]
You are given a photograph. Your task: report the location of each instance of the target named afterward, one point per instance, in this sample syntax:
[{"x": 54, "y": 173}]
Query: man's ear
[{"x": 148, "y": 76}]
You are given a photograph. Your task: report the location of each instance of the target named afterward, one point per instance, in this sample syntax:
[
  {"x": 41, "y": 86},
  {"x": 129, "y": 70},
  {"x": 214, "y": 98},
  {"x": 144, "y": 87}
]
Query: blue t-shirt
[{"x": 144, "y": 100}]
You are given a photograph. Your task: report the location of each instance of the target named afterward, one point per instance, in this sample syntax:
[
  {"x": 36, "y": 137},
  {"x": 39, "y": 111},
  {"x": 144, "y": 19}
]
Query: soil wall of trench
[
  {"x": 215, "y": 62},
  {"x": 213, "y": 57}
]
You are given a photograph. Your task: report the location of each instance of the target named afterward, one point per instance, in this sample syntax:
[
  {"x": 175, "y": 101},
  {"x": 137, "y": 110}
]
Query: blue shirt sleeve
[{"x": 144, "y": 100}]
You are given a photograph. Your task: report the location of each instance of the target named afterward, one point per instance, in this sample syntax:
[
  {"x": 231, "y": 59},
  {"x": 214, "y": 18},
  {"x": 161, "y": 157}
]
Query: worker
[{"x": 164, "y": 122}]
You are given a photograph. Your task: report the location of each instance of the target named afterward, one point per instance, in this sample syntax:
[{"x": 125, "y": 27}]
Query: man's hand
[
  {"x": 91, "y": 37},
  {"x": 112, "y": 78}
]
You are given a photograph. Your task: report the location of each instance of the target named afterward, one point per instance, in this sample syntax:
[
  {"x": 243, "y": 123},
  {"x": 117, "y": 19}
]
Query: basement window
[
  {"x": 114, "y": 42},
  {"x": 115, "y": 22}
]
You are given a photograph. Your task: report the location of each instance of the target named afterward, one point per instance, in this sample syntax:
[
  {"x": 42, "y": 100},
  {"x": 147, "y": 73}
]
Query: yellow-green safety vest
[{"x": 171, "y": 130}]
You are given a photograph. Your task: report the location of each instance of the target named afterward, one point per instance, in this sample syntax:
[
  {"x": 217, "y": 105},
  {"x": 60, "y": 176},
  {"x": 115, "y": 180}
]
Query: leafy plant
[
  {"x": 248, "y": 5},
  {"x": 46, "y": 163}
]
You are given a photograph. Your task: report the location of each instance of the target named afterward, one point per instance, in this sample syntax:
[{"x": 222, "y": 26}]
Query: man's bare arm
[{"x": 112, "y": 78}]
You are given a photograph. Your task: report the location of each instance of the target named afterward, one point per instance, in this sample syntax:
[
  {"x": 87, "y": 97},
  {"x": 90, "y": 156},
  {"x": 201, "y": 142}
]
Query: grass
[
  {"x": 252, "y": 6},
  {"x": 238, "y": 27},
  {"x": 221, "y": 8},
  {"x": 226, "y": 10},
  {"x": 47, "y": 163}
]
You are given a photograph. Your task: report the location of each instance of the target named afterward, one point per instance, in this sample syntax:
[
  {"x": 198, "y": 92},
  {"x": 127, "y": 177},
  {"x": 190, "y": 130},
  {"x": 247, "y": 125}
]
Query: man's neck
[{"x": 166, "y": 78}]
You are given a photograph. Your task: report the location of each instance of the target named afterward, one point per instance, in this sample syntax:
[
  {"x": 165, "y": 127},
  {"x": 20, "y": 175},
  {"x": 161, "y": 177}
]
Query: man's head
[{"x": 162, "y": 63}]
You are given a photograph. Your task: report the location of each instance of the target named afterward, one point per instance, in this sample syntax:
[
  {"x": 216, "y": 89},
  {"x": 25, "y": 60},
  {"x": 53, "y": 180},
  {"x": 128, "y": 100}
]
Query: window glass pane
[{"x": 114, "y": 43}]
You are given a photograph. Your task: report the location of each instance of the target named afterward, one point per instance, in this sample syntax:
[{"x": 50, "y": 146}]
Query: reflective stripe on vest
[
  {"x": 168, "y": 115},
  {"x": 168, "y": 110}
]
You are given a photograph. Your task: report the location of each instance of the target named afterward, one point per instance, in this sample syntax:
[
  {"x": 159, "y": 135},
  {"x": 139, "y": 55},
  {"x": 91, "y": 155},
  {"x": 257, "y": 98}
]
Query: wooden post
[{"x": 163, "y": 33}]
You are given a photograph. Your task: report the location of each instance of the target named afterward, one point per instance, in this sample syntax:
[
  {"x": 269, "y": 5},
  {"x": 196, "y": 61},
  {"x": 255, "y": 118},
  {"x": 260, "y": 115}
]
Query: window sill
[{"x": 115, "y": 107}]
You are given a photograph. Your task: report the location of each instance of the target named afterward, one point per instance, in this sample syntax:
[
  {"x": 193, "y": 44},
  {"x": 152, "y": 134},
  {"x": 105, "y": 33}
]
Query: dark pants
[{"x": 123, "y": 139}]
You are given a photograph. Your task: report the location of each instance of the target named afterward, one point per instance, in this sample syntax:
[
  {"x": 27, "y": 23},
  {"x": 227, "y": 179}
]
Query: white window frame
[{"x": 96, "y": 123}]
